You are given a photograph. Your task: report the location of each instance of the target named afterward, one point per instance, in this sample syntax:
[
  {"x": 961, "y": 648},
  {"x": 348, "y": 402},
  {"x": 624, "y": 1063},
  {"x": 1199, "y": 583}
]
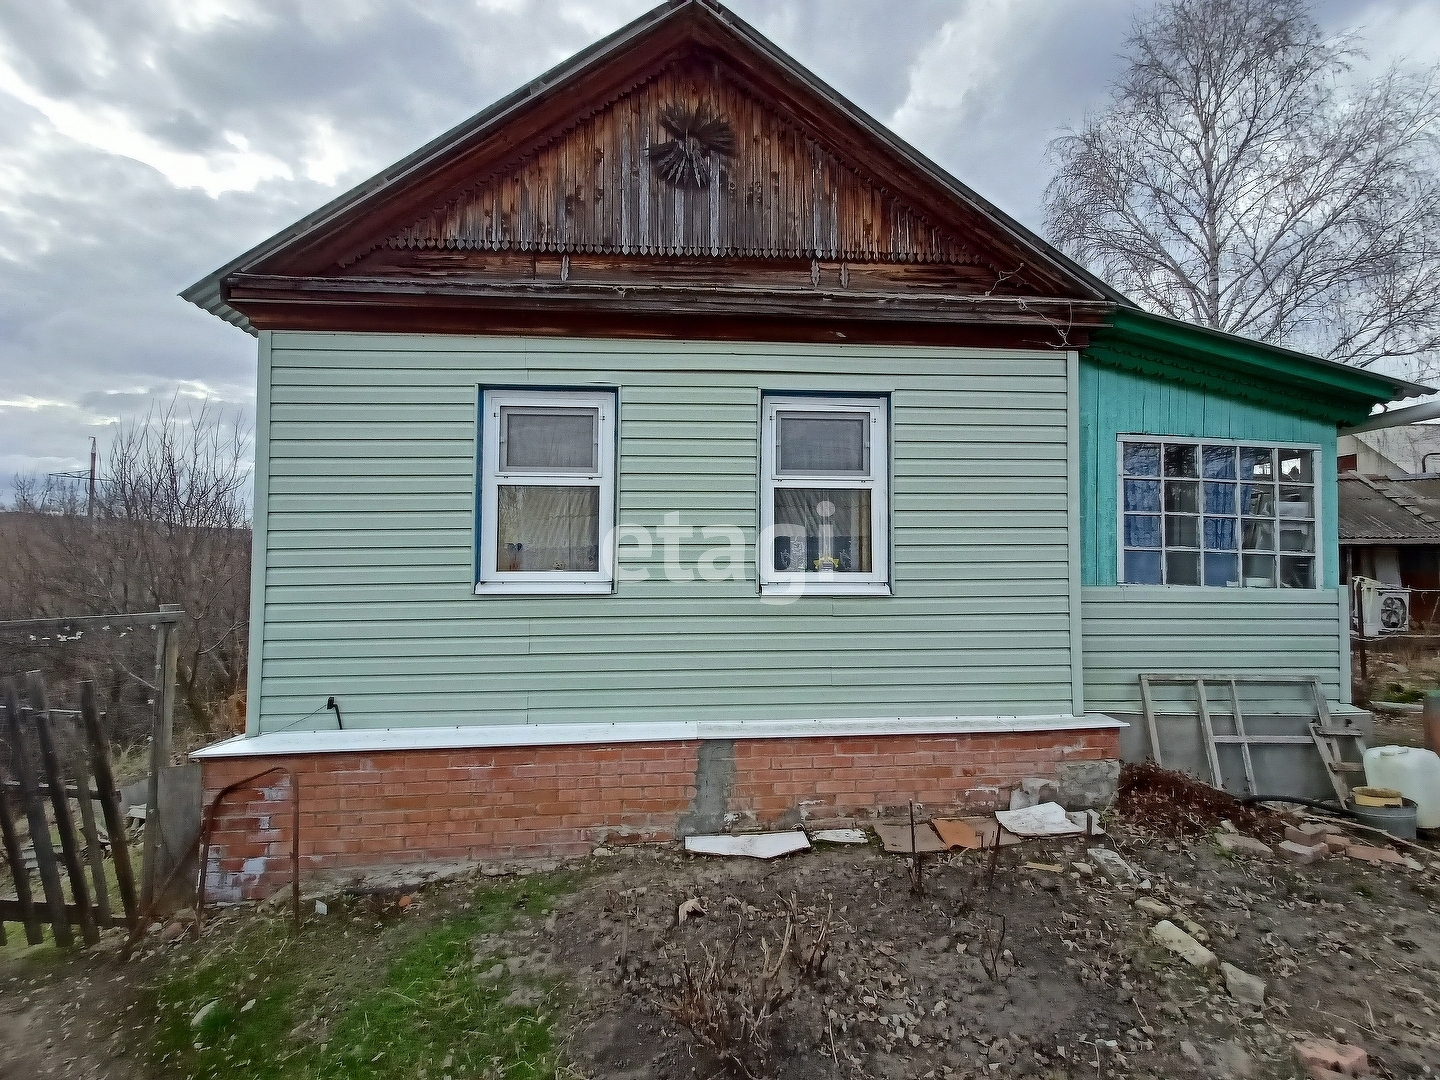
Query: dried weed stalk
[
  {"x": 810, "y": 958},
  {"x": 992, "y": 950},
  {"x": 732, "y": 1010}
]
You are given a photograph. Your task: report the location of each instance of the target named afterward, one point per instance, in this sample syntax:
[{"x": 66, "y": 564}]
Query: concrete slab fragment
[
  {"x": 1242, "y": 845},
  {"x": 749, "y": 845},
  {"x": 1044, "y": 819},
  {"x": 840, "y": 836},
  {"x": 1183, "y": 945}
]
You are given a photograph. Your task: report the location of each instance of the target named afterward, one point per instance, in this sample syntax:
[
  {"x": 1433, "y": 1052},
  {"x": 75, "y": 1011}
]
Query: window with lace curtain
[
  {"x": 547, "y": 499},
  {"x": 824, "y": 464}
]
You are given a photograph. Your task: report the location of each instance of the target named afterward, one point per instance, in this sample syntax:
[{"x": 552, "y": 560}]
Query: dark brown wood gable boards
[
  {"x": 773, "y": 191},
  {"x": 684, "y": 174}
]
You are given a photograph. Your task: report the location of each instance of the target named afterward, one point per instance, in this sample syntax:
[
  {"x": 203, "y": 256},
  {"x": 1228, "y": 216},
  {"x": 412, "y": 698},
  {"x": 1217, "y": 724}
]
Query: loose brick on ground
[
  {"x": 1344, "y": 1058},
  {"x": 1302, "y": 853},
  {"x": 1242, "y": 845}
]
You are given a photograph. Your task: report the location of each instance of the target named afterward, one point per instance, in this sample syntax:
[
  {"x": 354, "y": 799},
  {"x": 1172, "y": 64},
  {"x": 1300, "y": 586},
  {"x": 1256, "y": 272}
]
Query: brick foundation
[{"x": 359, "y": 809}]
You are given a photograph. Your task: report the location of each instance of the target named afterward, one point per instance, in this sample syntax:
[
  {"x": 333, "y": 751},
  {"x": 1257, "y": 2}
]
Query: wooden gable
[
  {"x": 669, "y": 180},
  {"x": 602, "y": 187}
]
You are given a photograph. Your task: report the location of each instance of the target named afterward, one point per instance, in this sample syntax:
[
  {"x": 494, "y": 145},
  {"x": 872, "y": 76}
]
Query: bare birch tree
[{"x": 1239, "y": 178}]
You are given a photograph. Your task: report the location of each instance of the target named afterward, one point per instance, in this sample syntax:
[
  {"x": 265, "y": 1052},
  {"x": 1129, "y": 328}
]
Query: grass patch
[
  {"x": 1403, "y": 695},
  {"x": 342, "y": 1003}
]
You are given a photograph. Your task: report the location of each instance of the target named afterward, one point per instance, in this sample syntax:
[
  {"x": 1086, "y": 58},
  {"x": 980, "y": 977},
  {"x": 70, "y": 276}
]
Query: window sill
[
  {"x": 824, "y": 588},
  {"x": 544, "y": 588}
]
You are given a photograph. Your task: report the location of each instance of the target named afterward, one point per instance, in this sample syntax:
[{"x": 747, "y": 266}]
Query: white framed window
[
  {"x": 547, "y": 491},
  {"x": 824, "y": 494},
  {"x": 1218, "y": 513}
]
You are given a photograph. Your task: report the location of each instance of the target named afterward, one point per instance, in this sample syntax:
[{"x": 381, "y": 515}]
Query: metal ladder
[{"x": 1323, "y": 736}]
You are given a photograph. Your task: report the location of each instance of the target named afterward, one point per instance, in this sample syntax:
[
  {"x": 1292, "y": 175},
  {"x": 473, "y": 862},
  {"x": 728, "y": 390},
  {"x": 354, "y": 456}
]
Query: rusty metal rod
[{"x": 209, "y": 825}]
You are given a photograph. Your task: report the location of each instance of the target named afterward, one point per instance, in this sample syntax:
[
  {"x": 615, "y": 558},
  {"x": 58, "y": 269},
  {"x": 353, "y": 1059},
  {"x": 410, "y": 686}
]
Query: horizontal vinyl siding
[
  {"x": 1135, "y": 628},
  {"x": 369, "y": 537}
]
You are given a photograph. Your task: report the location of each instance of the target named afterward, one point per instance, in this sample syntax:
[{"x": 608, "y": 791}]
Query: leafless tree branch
[{"x": 1239, "y": 179}]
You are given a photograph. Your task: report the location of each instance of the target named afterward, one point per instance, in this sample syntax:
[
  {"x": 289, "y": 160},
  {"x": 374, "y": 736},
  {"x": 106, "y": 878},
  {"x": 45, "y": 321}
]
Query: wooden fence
[{"x": 56, "y": 757}]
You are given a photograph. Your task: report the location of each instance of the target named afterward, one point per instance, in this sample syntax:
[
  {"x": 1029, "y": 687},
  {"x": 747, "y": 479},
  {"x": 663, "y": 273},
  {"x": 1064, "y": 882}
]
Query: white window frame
[
  {"x": 877, "y": 481},
  {"x": 1317, "y": 466},
  {"x": 490, "y": 579}
]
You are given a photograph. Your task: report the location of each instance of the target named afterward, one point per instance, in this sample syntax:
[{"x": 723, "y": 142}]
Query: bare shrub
[
  {"x": 169, "y": 524},
  {"x": 809, "y": 959},
  {"x": 730, "y": 1008},
  {"x": 995, "y": 958}
]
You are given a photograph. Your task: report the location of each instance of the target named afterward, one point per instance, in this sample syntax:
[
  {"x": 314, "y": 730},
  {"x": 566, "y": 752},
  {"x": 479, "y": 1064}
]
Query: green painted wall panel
[
  {"x": 368, "y": 587},
  {"x": 1116, "y": 402},
  {"x": 1130, "y": 629}
]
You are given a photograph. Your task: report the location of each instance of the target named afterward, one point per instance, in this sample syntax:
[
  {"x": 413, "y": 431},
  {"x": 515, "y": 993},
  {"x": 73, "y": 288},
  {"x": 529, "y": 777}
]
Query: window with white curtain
[
  {"x": 1218, "y": 513},
  {"x": 824, "y": 510},
  {"x": 547, "y": 497}
]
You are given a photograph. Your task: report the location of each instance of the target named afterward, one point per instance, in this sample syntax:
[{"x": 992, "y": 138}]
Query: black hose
[{"x": 1314, "y": 804}]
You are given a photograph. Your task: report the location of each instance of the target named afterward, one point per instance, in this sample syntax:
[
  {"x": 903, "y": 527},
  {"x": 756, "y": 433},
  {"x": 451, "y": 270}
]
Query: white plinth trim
[{"x": 377, "y": 739}]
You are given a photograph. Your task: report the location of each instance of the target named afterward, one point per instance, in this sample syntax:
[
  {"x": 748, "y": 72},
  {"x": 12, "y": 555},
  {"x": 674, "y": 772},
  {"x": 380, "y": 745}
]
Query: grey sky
[{"x": 145, "y": 142}]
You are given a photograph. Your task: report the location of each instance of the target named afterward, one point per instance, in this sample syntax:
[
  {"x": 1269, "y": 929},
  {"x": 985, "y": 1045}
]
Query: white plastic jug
[{"x": 1413, "y": 772}]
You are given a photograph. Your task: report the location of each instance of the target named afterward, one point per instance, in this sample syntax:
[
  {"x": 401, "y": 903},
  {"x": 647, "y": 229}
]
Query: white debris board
[
  {"x": 749, "y": 845},
  {"x": 1046, "y": 819}
]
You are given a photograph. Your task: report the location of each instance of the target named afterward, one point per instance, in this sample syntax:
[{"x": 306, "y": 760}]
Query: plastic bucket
[{"x": 1396, "y": 820}]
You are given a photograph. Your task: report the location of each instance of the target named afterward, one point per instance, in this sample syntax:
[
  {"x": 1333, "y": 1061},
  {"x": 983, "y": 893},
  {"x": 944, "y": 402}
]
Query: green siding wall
[
  {"x": 1130, "y": 629},
  {"x": 365, "y": 503},
  {"x": 1133, "y": 628},
  {"x": 1115, "y": 402}
]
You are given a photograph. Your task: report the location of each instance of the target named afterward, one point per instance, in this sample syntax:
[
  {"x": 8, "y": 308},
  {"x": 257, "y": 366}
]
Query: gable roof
[
  {"x": 1387, "y": 510},
  {"x": 400, "y": 202}
]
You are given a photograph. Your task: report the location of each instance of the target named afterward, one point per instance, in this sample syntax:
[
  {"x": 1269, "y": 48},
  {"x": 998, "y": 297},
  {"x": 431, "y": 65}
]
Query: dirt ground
[{"x": 1036, "y": 967}]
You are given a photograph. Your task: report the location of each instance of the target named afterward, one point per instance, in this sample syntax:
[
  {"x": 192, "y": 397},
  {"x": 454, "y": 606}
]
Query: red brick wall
[{"x": 372, "y": 808}]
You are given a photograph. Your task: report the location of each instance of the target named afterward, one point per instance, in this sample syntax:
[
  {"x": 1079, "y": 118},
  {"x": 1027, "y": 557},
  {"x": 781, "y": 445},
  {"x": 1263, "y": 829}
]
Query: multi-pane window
[
  {"x": 825, "y": 471},
  {"x": 1217, "y": 513},
  {"x": 547, "y": 497}
]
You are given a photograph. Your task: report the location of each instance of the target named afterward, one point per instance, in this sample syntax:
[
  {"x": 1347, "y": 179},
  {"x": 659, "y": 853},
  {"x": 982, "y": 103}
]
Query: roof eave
[{"x": 1292, "y": 365}]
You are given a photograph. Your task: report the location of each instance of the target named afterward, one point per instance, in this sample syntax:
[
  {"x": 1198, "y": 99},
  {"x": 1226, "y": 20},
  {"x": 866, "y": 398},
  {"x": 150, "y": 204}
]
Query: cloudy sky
[{"x": 145, "y": 142}]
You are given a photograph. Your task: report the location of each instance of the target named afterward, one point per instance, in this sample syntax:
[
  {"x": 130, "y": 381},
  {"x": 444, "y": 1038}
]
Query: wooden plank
[
  {"x": 109, "y": 795},
  {"x": 95, "y": 854},
  {"x": 1149, "y": 705},
  {"x": 1209, "y": 732},
  {"x": 167, "y": 652},
  {"x": 10, "y": 911},
  {"x": 39, "y": 825},
  {"x": 19, "y": 873},
  {"x": 1239, "y": 719},
  {"x": 60, "y": 804}
]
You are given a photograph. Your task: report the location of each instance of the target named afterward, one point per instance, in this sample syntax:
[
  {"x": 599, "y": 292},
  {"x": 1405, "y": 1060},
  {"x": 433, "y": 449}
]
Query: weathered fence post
[
  {"x": 18, "y": 870},
  {"x": 167, "y": 656},
  {"x": 104, "y": 773},
  {"x": 60, "y": 803},
  {"x": 39, "y": 826}
]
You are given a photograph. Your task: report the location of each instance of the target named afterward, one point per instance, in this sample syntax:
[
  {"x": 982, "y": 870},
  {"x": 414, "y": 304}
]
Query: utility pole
[{"x": 94, "y": 473}]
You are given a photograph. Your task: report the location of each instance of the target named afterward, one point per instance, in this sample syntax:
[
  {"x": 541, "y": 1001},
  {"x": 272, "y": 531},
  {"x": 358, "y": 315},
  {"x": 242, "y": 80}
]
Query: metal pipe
[
  {"x": 1429, "y": 410},
  {"x": 1314, "y": 804}
]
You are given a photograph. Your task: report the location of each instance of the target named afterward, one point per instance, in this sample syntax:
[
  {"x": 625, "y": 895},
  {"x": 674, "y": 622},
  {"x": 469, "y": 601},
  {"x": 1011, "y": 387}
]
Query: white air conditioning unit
[{"x": 1384, "y": 609}]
